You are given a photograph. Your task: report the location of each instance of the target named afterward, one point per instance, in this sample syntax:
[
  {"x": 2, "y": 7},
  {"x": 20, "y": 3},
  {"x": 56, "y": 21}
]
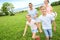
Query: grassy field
[{"x": 12, "y": 27}]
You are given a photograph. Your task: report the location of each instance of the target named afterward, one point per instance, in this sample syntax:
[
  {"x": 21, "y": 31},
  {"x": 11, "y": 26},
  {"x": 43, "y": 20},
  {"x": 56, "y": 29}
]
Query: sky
[{"x": 23, "y": 3}]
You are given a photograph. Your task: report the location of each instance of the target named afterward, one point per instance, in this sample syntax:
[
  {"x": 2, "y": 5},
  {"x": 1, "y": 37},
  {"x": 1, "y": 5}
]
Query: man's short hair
[{"x": 30, "y": 3}]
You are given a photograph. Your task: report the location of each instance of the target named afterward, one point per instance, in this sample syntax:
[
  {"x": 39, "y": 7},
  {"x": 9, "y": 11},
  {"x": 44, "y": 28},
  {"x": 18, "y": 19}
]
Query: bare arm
[
  {"x": 51, "y": 9},
  {"x": 39, "y": 27},
  {"x": 36, "y": 16},
  {"x": 25, "y": 30},
  {"x": 54, "y": 24}
]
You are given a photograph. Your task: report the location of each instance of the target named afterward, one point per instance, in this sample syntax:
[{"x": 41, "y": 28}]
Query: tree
[{"x": 7, "y": 7}]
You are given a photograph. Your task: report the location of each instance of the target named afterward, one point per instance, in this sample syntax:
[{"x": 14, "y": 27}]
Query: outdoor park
[{"x": 12, "y": 25}]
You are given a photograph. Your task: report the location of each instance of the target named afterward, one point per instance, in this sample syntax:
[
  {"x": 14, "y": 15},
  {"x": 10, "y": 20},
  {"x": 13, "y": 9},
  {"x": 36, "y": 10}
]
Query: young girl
[
  {"x": 49, "y": 8},
  {"x": 33, "y": 27}
]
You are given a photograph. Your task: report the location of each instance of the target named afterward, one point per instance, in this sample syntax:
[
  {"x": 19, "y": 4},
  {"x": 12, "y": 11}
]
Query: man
[{"x": 32, "y": 11}]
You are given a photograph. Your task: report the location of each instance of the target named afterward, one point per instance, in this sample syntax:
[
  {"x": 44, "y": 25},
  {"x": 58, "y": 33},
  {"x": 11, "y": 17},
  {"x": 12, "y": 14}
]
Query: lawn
[{"x": 12, "y": 27}]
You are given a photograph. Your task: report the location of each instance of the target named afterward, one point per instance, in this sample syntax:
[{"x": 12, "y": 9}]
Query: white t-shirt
[
  {"x": 32, "y": 24},
  {"x": 32, "y": 12},
  {"x": 46, "y": 21}
]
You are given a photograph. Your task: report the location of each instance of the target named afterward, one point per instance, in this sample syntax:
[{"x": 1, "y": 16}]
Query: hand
[
  {"x": 40, "y": 31},
  {"x": 35, "y": 16},
  {"x": 23, "y": 34}
]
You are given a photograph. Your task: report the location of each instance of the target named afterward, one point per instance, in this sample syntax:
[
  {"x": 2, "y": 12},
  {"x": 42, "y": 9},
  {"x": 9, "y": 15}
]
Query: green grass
[{"x": 12, "y": 27}]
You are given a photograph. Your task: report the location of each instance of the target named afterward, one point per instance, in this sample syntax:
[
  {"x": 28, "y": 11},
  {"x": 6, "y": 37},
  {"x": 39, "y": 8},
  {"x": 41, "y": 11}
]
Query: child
[
  {"x": 33, "y": 27},
  {"x": 46, "y": 19},
  {"x": 49, "y": 8}
]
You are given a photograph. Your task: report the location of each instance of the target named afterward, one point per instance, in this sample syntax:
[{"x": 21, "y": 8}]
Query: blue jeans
[{"x": 48, "y": 32}]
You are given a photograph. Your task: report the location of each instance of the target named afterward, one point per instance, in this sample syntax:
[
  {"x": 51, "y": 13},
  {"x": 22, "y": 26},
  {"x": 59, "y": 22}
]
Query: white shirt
[
  {"x": 32, "y": 12},
  {"x": 32, "y": 24},
  {"x": 46, "y": 21}
]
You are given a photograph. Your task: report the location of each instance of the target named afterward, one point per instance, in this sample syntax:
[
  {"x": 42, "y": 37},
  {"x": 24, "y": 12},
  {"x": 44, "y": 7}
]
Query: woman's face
[{"x": 46, "y": 1}]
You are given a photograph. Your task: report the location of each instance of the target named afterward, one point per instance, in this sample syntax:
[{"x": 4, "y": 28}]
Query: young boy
[
  {"x": 46, "y": 19},
  {"x": 33, "y": 27}
]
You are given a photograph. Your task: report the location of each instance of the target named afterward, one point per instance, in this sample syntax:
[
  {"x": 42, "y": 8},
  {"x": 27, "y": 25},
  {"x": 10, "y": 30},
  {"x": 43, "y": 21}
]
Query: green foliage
[
  {"x": 55, "y": 3},
  {"x": 1, "y": 13},
  {"x": 11, "y": 13},
  {"x": 12, "y": 27},
  {"x": 6, "y": 7},
  {"x": 37, "y": 8}
]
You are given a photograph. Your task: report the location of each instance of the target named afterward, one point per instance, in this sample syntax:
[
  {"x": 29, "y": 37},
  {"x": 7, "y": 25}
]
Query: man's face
[{"x": 30, "y": 5}]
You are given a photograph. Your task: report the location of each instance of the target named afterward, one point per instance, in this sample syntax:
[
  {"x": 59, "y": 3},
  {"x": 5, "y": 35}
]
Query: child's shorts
[
  {"x": 35, "y": 19},
  {"x": 48, "y": 32},
  {"x": 34, "y": 31}
]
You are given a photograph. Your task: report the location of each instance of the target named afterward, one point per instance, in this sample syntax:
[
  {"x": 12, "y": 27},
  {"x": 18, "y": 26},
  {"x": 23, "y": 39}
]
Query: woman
[{"x": 49, "y": 8}]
